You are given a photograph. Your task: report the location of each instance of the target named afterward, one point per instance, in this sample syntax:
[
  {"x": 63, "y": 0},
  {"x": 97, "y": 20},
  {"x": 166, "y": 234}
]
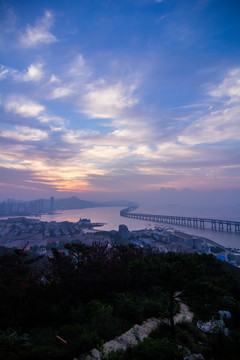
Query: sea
[{"x": 111, "y": 218}]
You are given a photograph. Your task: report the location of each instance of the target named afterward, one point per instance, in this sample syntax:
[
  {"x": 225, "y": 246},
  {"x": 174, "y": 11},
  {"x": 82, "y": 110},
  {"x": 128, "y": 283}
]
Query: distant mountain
[{"x": 75, "y": 203}]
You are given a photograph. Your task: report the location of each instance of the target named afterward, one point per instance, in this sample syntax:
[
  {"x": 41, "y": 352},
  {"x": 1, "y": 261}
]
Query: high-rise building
[
  {"x": 52, "y": 203},
  {"x": 123, "y": 232},
  {"x": 40, "y": 204}
]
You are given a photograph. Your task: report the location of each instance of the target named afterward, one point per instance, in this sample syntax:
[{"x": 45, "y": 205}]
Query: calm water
[{"x": 111, "y": 216}]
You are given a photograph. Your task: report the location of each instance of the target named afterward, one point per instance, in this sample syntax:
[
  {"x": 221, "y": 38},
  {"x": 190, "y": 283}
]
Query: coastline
[{"x": 111, "y": 218}]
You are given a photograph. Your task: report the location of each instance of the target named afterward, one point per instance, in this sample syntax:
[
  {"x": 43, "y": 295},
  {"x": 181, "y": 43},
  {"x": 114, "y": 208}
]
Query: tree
[{"x": 170, "y": 276}]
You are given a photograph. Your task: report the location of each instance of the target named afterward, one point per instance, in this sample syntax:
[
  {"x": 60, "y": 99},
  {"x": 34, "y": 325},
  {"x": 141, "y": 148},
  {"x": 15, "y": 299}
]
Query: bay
[{"x": 112, "y": 219}]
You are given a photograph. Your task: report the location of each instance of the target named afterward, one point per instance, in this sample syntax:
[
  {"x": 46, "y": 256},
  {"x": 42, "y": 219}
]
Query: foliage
[
  {"x": 95, "y": 293},
  {"x": 150, "y": 349},
  {"x": 155, "y": 349},
  {"x": 10, "y": 339}
]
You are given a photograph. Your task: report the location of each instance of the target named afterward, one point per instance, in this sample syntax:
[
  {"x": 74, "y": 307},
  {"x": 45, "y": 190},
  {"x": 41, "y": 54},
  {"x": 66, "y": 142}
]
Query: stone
[
  {"x": 138, "y": 333},
  {"x": 95, "y": 354},
  {"x": 198, "y": 357},
  {"x": 112, "y": 345}
]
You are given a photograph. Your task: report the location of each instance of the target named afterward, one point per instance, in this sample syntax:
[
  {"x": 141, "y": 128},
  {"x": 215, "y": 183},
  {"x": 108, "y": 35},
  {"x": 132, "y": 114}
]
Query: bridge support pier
[
  {"x": 221, "y": 225},
  {"x": 229, "y": 228},
  {"x": 214, "y": 225},
  {"x": 202, "y": 225}
]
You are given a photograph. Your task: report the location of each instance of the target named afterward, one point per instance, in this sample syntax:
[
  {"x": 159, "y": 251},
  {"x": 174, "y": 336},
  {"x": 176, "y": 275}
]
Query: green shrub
[
  {"x": 129, "y": 307},
  {"x": 156, "y": 349},
  {"x": 42, "y": 352}
]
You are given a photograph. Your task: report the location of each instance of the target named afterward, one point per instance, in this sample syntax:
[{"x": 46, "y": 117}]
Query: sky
[{"x": 116, "y": 99}]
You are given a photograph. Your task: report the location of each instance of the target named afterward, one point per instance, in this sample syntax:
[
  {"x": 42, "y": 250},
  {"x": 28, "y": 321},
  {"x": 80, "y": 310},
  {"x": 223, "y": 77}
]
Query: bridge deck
[{"x": 216, "y": 224}]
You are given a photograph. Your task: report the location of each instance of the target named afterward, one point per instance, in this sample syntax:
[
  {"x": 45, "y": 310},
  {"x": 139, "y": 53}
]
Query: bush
[
  {"x": 42, "y": 352},
  {"x": 129, "y": 307},
  {"x": 150, "y": 349}
]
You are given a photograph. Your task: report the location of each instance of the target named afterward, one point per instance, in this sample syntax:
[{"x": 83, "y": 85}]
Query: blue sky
[{"x": 118, "y": 97}]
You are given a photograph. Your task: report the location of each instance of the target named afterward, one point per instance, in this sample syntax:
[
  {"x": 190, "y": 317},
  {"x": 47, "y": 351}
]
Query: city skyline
[{"x": 116, "y": 99}]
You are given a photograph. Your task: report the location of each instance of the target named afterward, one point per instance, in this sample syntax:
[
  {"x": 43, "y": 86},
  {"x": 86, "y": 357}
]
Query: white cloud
[
  {"x": 216, "y": 127},
  {"x": 104, "y": 100},
  {"x": 222, "y": 124},
  {"x": 23, "y": 106},
  {"x": 124, "y": 134},
  {"x": 24, "y": 134},
  {"x": 78, "y": 67},
  {"x": 56, "y": 129},
  {"x": 74, "y": 77},
  {"x": 39, "y": 34},
  {"x": 48, "y": 118},
  {"x": 60, "y": 92},
  {"x": 54, "y": 79},
  {"x": 107, "y": 153},
  {"x": 133, "y": 132},
  {"x": 167, "y": 151},
  {"x": 33, "y": 73},
  {"x": 79, "y": 136},
  {"x": 230, "y": 87},
  {"x": 3, "y": 71}
]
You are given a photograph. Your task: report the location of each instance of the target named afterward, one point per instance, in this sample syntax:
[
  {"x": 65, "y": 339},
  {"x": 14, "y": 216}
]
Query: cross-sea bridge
[{"x": 197, "y": 222}]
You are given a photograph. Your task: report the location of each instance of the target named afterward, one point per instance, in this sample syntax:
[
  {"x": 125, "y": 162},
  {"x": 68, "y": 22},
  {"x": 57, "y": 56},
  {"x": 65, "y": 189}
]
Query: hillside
[
  {"x": 75, "y": 203},
  {"x": 88, "y": 295}
]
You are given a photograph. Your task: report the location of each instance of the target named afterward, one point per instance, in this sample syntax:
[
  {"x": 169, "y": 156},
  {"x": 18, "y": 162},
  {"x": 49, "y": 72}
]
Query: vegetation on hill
[
  {"x": 96, "y": 293},
  {"x": 76, "y": 203}
]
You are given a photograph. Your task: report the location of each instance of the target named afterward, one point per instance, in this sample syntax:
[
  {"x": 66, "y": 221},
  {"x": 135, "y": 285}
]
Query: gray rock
[
  {"x": 138, "y": 333},
  {"x": 198, "y": 356},
  {"x": 194, "y": 357},
  {"x": 94, "y": 354},
  {"x": 113, "y": 345}
]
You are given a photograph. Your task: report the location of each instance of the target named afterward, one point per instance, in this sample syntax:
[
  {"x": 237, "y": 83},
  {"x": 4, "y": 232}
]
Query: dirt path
[{"x": 136, "y": 334}]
